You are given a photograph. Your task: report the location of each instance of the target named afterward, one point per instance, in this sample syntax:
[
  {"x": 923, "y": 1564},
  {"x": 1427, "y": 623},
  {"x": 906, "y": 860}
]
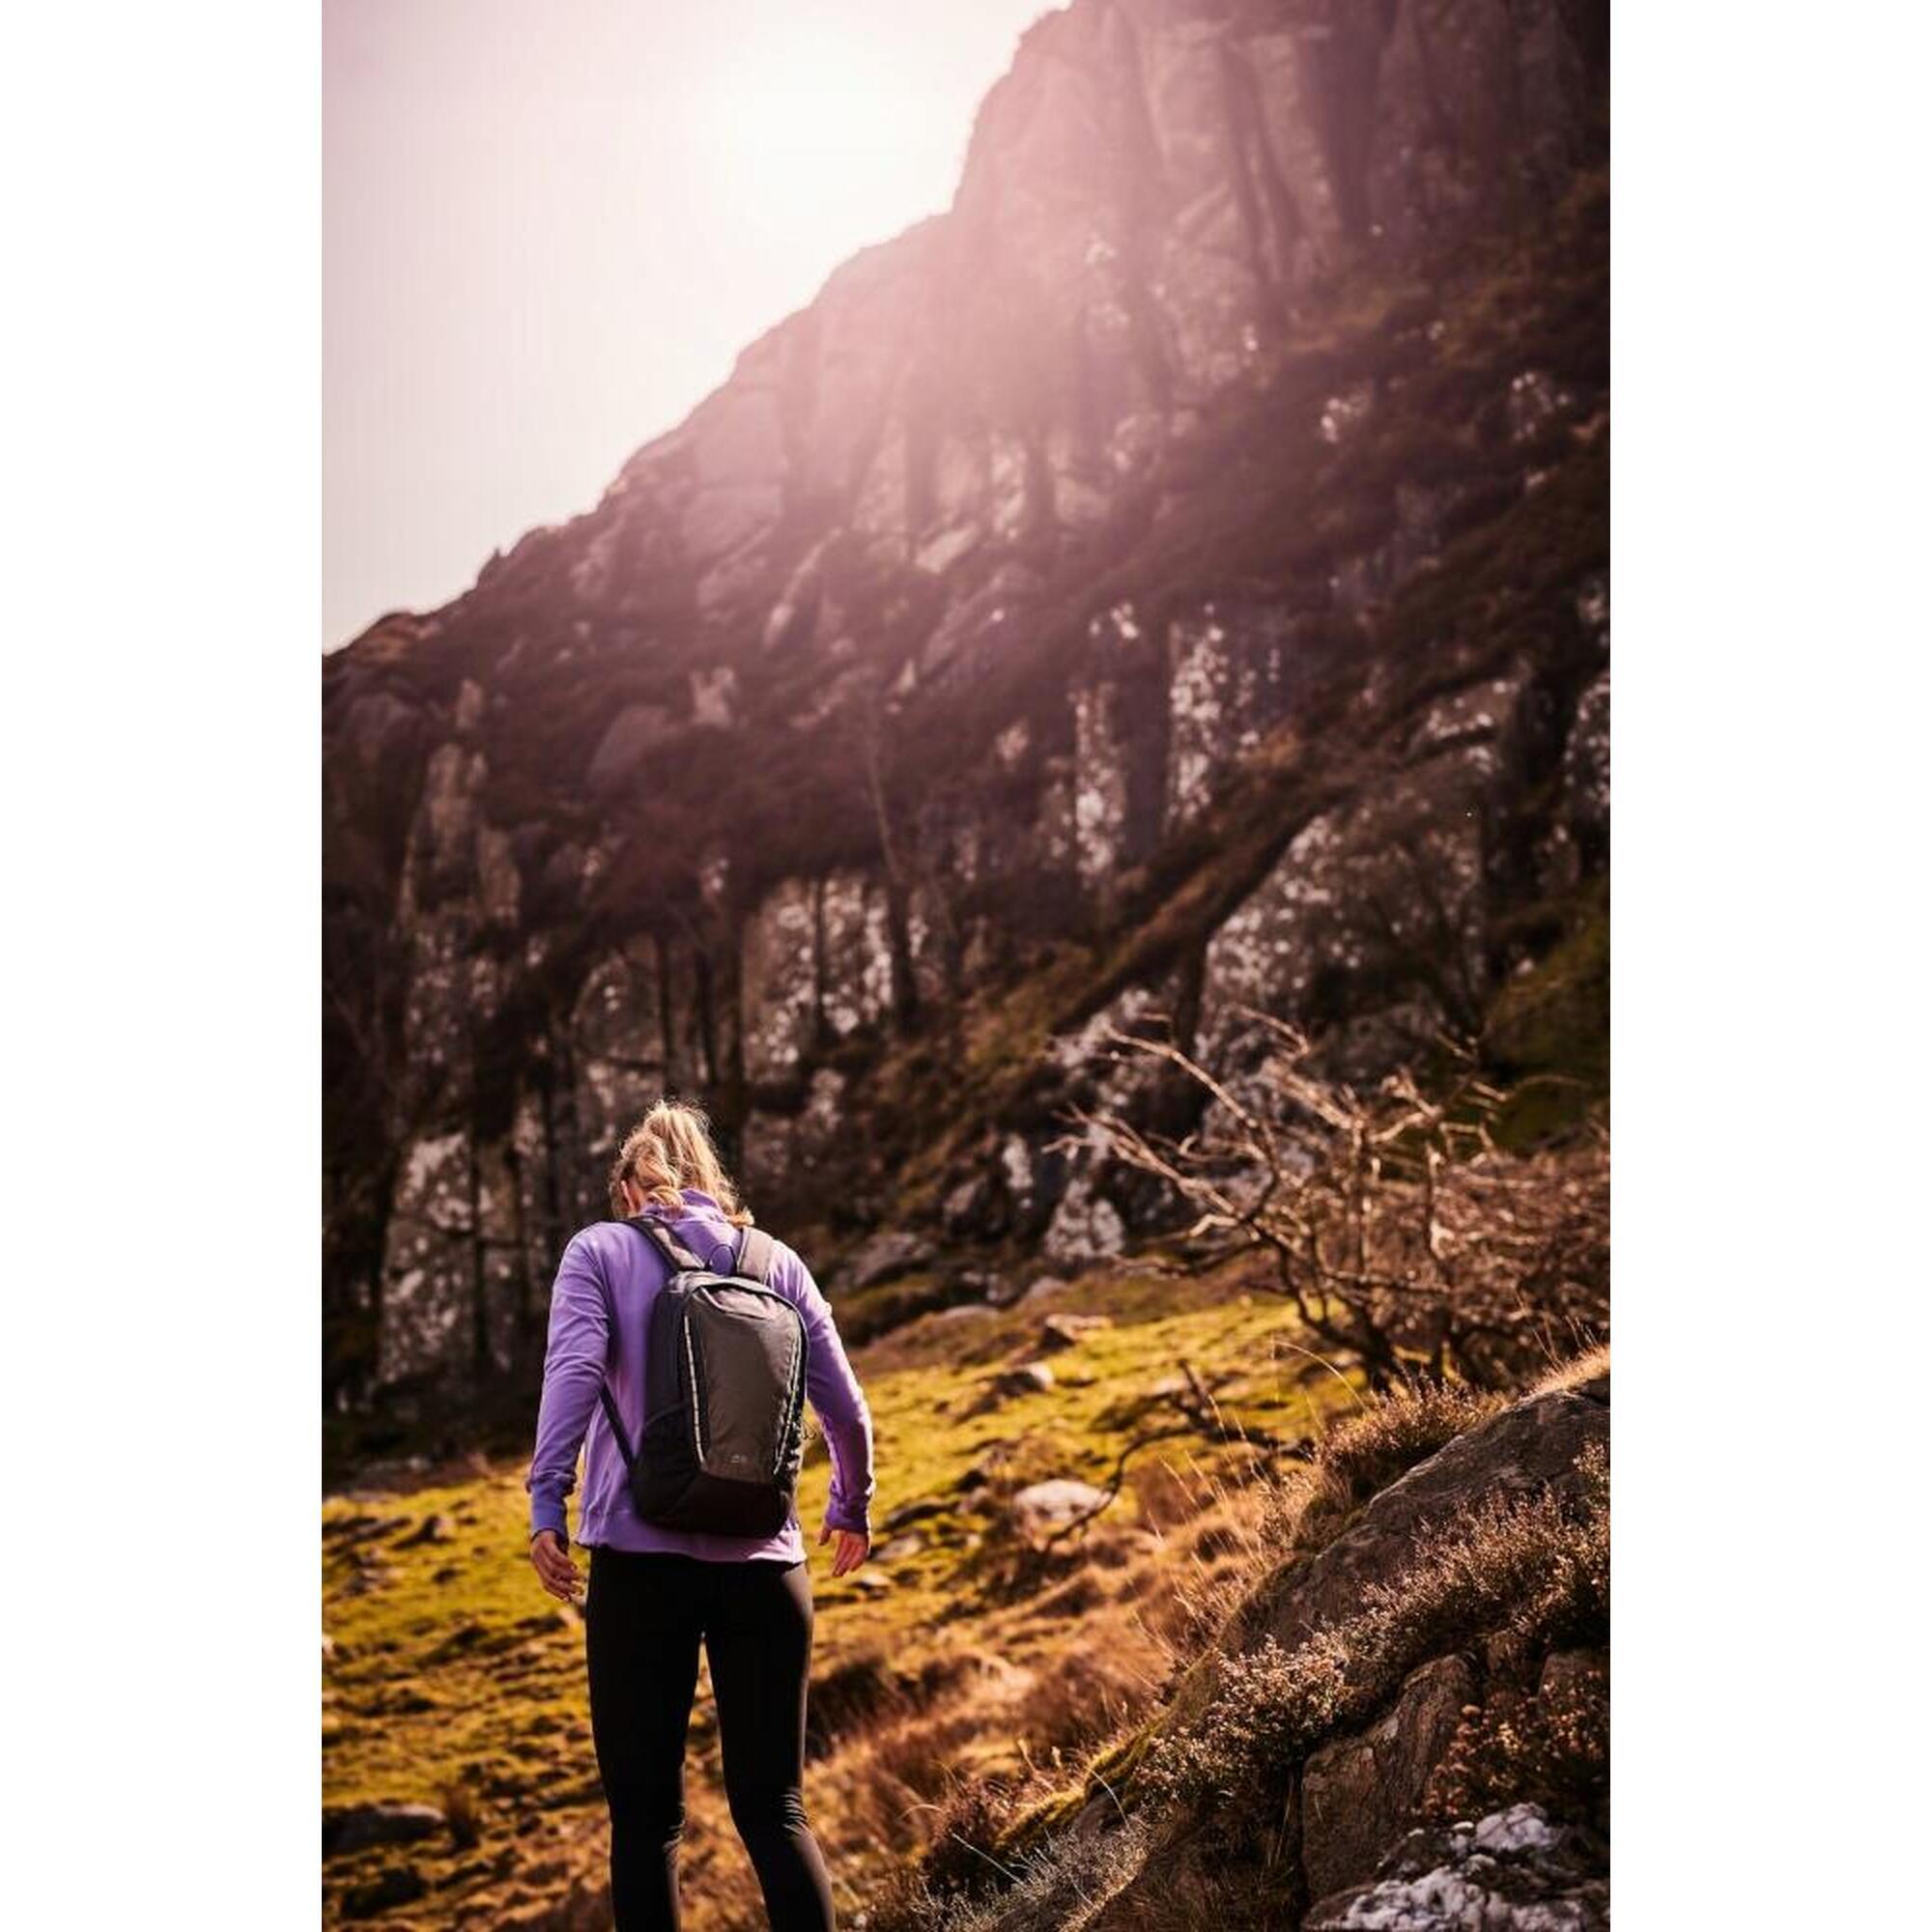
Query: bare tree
[{"x": 1404, "y": 1235}]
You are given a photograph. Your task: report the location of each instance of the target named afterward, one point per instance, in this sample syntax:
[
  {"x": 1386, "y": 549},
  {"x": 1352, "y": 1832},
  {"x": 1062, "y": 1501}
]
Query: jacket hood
[{"x": 702, "y": 1228}]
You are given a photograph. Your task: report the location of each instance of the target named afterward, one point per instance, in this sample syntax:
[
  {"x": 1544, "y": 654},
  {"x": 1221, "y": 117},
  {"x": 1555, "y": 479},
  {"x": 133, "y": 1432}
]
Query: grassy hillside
[{"x": 962, "y": 1654}]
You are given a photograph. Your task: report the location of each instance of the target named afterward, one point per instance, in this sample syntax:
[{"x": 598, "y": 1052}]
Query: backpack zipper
[{"x": 696, "y": 1403}]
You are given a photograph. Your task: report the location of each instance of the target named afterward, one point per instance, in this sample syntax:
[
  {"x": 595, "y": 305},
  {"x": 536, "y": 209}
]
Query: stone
[
  {"x": 427, "y": 1268},
  {"x": 1568, "y": 1671},
  {"x": 1359, "y": 1794},
  {"x": 1230, "y": 680},
  {"x": 1029, "y": 1378},
  {"x": 899, "y": 1547},
  {"x": 777, "y": 980},
  {"x": 1100, "y": 797},
  {"x": 974, "y": 628},
  {"x": 908, "y": 1514},
  {"x": 966, "y": 1208},
  {"x": 937, "y": 555},
  {"x": 777, "y": 1150},
  {"x": 354, "y": 1828},
  {"x": 1068, "y": 1330},
  {"x": 815, "y": 959},
  {"x": 1056, "y": 1503}
]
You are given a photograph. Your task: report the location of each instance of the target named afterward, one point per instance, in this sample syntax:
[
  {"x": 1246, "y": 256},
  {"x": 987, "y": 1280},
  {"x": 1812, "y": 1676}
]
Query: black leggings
[{"x": 644, "y": 1620}]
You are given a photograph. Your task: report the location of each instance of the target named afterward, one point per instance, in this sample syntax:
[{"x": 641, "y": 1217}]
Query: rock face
[{"x": 1080, "y": 560}]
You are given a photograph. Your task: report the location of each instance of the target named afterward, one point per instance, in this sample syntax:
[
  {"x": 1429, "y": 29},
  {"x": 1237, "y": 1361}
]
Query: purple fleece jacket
[{"x": 609, "y": 1267}]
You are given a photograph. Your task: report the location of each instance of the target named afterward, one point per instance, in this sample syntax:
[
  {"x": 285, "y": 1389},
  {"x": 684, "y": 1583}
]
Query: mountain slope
[{"x": 1174, "y": 580}]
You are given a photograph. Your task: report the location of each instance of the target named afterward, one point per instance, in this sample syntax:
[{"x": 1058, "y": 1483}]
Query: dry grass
[
  {"x": 1365, "y": 1454},
  {"x": 1060, "y": 1888},
  {"x": 1587, "y": 1367}
]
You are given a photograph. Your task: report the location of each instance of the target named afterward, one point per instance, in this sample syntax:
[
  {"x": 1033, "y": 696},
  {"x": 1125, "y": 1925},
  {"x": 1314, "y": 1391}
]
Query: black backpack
[{"x": 723, "y": 1395}]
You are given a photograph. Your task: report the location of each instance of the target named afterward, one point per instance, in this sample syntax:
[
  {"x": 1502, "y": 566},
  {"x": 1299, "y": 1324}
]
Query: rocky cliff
[{"x": 1169, "y": 583}]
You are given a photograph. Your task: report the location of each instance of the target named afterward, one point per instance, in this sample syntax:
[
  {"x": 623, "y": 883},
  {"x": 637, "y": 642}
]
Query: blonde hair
[{"x": 671, "y": 1149}]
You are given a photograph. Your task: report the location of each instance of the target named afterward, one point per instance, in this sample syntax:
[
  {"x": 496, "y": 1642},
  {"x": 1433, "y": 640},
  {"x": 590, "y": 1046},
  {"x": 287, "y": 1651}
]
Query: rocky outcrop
[{"x": 1108, "y": 557}]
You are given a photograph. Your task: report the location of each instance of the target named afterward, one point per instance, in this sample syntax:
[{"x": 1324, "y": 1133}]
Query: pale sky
[{"x": 550, "y": 225}]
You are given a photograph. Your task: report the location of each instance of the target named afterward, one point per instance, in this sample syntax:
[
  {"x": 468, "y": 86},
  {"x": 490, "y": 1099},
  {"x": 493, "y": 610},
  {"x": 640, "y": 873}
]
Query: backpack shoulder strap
[
  {"x": 667, "y": 1243},
  {"x": 756, "y": 1251}
]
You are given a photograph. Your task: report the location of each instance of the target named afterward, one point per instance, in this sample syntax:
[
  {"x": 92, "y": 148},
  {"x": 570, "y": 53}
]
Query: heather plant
[
  {"x": 1551, "y": 1749},
  {"x": 1519, "y": 1577}
]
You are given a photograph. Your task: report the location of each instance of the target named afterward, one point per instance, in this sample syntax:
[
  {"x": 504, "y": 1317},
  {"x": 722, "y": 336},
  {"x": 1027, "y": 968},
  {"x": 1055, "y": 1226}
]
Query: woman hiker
[{"x": 656, "y": 1591}]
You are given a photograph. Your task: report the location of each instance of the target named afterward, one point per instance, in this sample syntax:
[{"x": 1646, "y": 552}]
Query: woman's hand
[
  {"x": 852, "y": 1549},
  {"x": 556, "y": 1572}
]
